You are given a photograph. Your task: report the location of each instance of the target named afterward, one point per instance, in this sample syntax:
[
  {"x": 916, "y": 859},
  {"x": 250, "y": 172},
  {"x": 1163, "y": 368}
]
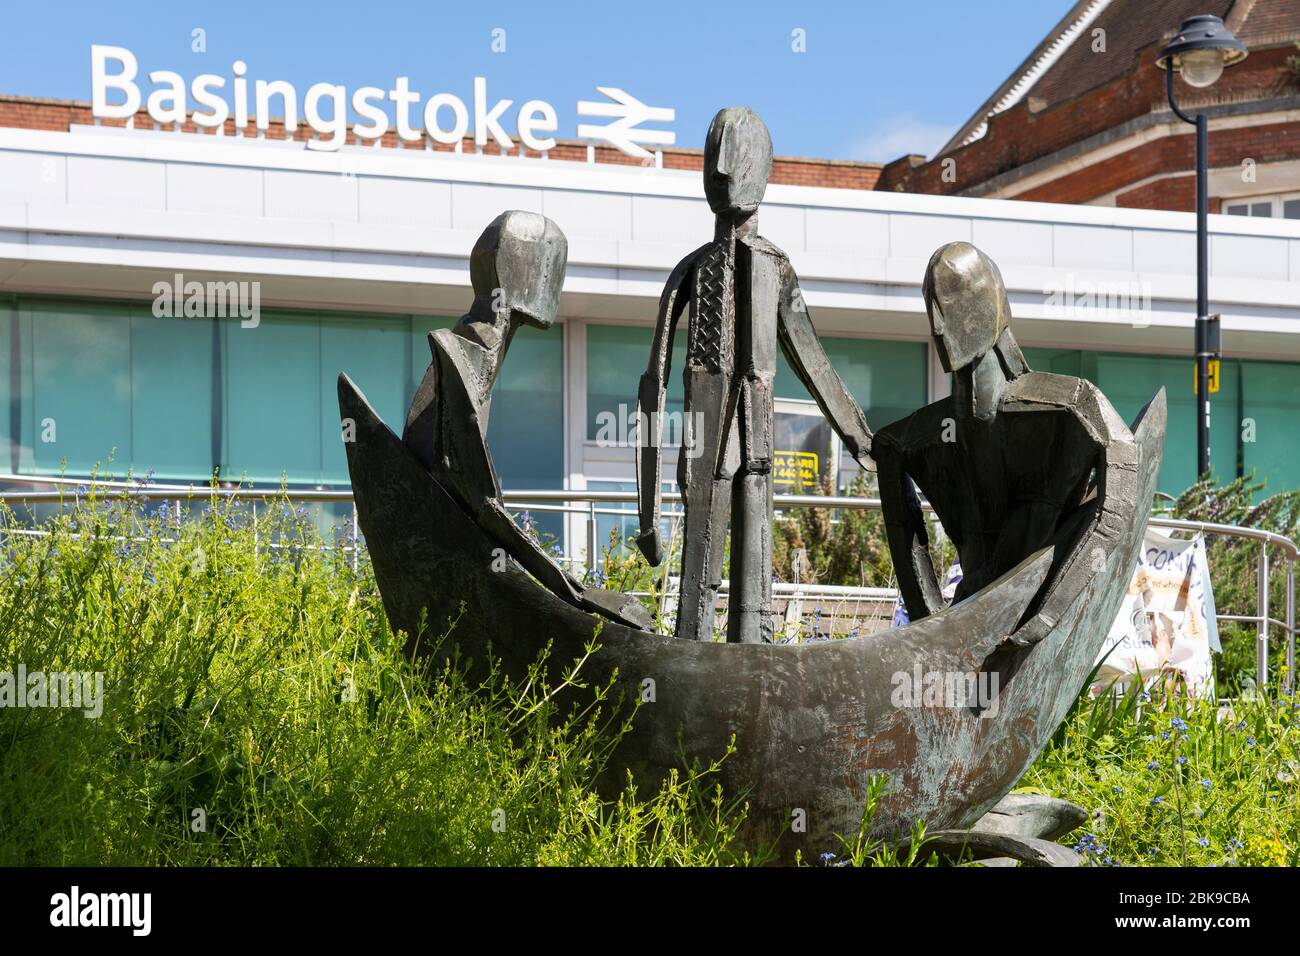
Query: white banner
[{"x": 1166, "y": 624}]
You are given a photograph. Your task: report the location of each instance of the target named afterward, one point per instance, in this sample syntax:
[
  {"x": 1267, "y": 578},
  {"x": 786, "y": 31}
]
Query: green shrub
[{"x": 257, "y": 710}]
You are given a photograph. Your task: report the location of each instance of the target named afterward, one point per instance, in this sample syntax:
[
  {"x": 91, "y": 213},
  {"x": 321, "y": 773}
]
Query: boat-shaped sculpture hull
[{"x": 811, "y": 723}]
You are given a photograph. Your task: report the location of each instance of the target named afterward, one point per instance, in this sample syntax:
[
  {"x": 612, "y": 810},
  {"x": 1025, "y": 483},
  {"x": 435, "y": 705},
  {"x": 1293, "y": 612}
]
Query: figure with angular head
[
  {"x": 517, "y": 271},
  {"x": 744, "y": 300},
  {"x": 1012, "y": 461}
]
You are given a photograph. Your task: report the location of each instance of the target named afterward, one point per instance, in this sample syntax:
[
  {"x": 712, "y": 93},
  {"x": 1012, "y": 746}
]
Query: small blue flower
[
  {"x": 1156, "y": 801},
  {"x": 1178, "y": 723},
  {"x": 1154, "y": 765},
  {"x": 827, "y": 857},
  {"x": 1165, "y": 736},
  {"x": 1180, "y": 760},
  {"x": 1250, "y": 742},
  {"x": 1204, "y": 841},
  {"x": 1207, "y": 783},
  {"x": 1235, "y": 844}
]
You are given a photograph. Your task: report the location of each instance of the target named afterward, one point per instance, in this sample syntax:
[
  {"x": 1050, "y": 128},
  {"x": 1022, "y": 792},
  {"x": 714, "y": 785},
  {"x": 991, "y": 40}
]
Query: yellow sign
[
  {"x": 799, "y": 470},
  {"x": 1214, "y": 377}
]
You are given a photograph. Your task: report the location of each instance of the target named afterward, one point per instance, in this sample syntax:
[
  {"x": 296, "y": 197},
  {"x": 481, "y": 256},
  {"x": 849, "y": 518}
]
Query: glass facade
[
  {"x": 184, "y": 396},
  {"x": 1253, "y": 424},
  {"x": 888, "y": 379},
  {"x": 86, "y": 380}
]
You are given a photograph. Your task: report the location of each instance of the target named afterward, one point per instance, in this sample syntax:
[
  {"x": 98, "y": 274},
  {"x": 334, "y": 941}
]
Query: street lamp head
[{"x": 1201, "y": 51}]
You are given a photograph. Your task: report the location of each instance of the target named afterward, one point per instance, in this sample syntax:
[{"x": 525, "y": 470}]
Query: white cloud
[{"x": 899, "y": 136}]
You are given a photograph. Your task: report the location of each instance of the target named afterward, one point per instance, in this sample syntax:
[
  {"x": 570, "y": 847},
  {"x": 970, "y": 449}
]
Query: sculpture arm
[
  {"x": 808, "y": 359},
  {"x": 909, "y": 541},
  {"x": 651, "y": 396}
]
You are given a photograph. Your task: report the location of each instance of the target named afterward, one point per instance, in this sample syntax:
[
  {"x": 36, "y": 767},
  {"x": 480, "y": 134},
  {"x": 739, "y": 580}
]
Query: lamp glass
[{"x": 1201, "y": 68}]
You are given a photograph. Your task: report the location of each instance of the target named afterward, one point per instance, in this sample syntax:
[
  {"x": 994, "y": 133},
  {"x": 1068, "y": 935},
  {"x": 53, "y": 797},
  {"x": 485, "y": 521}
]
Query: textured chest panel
[{"x": 712, "y": 306}]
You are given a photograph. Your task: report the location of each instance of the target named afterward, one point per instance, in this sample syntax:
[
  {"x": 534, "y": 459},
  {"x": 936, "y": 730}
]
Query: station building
[{"x": 346, "y": 259}]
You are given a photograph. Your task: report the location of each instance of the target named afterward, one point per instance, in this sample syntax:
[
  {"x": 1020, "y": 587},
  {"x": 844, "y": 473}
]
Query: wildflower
[
  {"x": 1156, "y": 801},
  {"x": 1235, "y": 844},
  {"x": 1207, "y": 783},
  {"x": 1250, "y": 742},
  {"x": 1165, "y": 736},
  {"x": 1203, "y": 841},
  {"x": 1153, "y": 765},
  {"x": 1180, "y": 760},
  {"x": 1178, "y": 723}
]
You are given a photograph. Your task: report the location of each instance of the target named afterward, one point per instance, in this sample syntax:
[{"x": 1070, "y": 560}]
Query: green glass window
[
  {"x": 78, "y": 388},
  {"x": 373, "y": 350},
  {"x": 886, "y": 378},
  {"x": 616, "y": 359},
  {"x": 1253, "y": 411},
  {"x": 1270, "y": 441},
  {"x": 182, "y": 395},
  {"x": 1130, "y": 380},
  {"x": 172, "y": 395},
  {"x": 526, "y": 427},
  {"x": 273, "y": 399}
]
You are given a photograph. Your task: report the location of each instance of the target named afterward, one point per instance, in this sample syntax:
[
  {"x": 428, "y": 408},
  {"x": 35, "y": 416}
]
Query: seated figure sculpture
[
  {"x": 1012, "y": 461},
  {"x": 517, "y": 271}
]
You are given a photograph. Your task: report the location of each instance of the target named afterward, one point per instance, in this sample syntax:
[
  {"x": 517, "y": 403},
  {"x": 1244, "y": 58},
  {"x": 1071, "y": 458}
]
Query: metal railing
[{"x": 561, "y": 500}]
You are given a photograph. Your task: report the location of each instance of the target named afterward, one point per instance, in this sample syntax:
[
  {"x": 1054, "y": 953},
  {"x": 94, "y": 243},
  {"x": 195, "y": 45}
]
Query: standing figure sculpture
[
  {"x": 517, "y": 271},
  {"x": 1012, "y": 461},
  {"x": 744, "y": 298}
]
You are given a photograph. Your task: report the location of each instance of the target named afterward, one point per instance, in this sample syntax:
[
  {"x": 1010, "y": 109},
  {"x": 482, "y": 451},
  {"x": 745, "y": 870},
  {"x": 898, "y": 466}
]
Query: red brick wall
[
  {"x": 1019, "y": 136},
  {"x": 1171, "y": 154},
  {"x": 25, "y": 113}
]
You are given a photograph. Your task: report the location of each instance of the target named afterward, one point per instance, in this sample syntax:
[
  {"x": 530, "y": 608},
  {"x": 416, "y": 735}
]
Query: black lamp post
[{"x": 1200, "y": 52}]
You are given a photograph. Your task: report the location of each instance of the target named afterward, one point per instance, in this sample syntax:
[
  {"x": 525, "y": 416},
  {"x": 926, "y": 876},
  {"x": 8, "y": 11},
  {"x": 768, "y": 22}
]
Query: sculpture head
[
  {"x": 737, "y": 162},
  {"x": 967, "y": 304},
  {"x": 518, "y": 265}
]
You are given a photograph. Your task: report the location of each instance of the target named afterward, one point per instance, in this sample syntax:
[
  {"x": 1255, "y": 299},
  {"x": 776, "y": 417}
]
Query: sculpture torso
[
  {"x": 1001, "y": 488},
  {"x": 457, "y": 390}
]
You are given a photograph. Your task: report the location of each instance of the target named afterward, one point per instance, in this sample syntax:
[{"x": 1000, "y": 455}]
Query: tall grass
[
  {"x": 1177, "y": 782},
  {"x": 258, "y": 710}
]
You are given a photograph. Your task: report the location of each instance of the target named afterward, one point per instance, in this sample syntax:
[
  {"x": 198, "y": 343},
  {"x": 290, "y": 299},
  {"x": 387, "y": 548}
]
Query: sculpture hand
[{"x": 651, "y": 545}]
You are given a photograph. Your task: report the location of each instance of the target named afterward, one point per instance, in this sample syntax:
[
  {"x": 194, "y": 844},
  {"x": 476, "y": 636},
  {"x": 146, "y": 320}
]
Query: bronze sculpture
[
  {"x": 1012, "y": 461},
  {"x": 517, "y": 270},
  {"x": 744, "y": 298},
  {"x": 812, "y": 724}
]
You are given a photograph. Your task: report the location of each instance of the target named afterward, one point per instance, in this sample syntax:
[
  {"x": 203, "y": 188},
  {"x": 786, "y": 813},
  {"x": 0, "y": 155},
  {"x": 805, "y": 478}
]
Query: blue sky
[{"x": 877, "y": 79}]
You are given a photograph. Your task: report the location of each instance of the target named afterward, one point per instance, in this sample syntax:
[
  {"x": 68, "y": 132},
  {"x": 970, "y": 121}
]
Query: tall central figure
[{"x": 744, "y": 298}]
